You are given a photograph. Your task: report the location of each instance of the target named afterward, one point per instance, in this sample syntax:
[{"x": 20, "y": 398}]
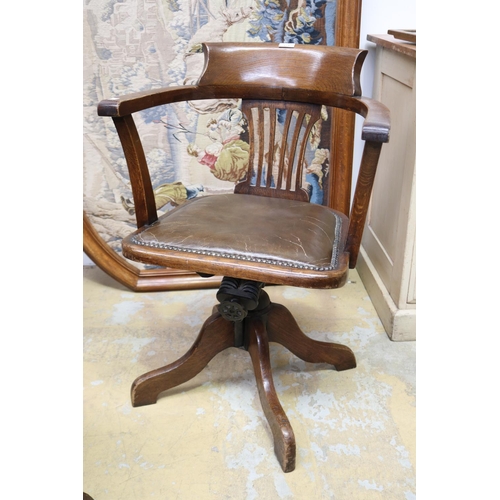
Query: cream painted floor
[{"x": 209, "y": 439}]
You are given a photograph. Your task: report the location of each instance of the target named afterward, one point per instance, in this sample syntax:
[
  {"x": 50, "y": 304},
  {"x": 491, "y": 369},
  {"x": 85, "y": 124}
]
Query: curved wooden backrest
[
  {"x": 284, "y": 65},
  {"x": 279, "y": 131}
]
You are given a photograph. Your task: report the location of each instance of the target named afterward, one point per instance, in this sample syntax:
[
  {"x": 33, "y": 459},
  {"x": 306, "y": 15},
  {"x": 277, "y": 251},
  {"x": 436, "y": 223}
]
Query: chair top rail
[
  {"x": 314, "y": 67},
  {"x": 269, "y": 71}
]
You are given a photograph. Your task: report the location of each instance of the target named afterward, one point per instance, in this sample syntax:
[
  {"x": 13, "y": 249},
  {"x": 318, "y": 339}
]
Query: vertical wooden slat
[
  {"x": 293, "y": 148},
  {"x": 272, "y": 140},
  {"x": 261, "y": 131},
  {"x": 286, "y": 128},
  {"x": 247, "y": 111},
  {"x": 300, "y": 164}
]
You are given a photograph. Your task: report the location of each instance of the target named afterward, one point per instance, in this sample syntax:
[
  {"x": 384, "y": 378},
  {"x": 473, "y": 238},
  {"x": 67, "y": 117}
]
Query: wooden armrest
[
  {"x": 377, "y": 124},
  {"x": 138, "y": 101}
]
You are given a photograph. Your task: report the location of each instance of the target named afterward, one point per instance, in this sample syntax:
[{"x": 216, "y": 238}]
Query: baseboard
[{"x": 400, "y": 324}]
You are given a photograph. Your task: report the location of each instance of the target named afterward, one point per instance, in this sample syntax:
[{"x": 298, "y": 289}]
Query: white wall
[{"x": 377, "y": 16}]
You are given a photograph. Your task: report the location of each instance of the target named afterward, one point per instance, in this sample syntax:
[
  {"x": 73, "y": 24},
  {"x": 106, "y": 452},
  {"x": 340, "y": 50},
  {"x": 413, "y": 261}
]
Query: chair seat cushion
[{"x": 245, "y": 228}]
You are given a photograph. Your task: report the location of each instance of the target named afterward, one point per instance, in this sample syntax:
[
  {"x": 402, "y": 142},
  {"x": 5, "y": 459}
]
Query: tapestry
[{"x": 192, "y": 149}]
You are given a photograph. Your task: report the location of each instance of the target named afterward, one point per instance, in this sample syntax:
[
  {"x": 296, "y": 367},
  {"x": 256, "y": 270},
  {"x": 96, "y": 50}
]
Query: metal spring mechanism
[{"x": 237, "y": 297}]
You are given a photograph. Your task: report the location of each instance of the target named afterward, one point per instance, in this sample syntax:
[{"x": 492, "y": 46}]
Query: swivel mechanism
[{"x": 237, "y": 297}]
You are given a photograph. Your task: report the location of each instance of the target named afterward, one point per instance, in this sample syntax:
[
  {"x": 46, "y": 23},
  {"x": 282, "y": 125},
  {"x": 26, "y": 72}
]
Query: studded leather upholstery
[{"x": 237, "y": 227}]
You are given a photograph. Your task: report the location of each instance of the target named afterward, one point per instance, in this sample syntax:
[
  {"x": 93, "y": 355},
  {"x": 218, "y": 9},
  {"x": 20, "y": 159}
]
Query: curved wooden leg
[
  {"x": 284, "y": 439},
  {"x": 283, "y": 329},
  {"x": 215, "y": 335}
]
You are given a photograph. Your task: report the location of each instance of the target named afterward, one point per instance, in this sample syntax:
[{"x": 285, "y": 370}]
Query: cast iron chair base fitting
[
  {"x": 266, "y": 231},
  {"x": 246, "y": 318}
]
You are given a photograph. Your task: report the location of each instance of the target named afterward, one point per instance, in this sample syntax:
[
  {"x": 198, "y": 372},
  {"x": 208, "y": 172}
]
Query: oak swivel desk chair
[{"x": 266, "y": 232}]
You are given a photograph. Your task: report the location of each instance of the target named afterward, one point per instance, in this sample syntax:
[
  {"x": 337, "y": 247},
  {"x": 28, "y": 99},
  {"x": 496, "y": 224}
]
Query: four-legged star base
[{"x": 267, "y": 322}]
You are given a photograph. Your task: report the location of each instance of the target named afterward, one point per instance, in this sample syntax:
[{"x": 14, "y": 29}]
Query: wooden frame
[{"x": 347, "y": 34}]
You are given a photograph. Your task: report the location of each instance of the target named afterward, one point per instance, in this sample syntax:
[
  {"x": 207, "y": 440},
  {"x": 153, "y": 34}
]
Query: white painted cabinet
[{"x": 388, "y": 258}]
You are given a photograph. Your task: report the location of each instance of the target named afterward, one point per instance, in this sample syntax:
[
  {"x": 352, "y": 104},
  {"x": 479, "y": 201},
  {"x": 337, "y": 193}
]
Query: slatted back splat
[{"x": 278, "y": 134}]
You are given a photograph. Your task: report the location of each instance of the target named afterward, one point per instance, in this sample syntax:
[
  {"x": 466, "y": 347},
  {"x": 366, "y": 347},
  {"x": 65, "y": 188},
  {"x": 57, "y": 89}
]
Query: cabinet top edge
[{"x": 389, "y": 42}]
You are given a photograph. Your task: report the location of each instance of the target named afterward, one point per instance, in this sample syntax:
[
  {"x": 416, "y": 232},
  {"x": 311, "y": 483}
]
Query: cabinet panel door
[{"x": 390, "y": 230}]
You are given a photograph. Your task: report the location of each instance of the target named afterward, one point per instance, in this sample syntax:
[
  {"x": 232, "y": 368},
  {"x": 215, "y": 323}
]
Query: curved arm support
[
  {"x": 138, "y": 101},
  {"x": 361, "y": 199},
  {"x": 375, "y": 127},
  {"x": 142, "y": 189}
]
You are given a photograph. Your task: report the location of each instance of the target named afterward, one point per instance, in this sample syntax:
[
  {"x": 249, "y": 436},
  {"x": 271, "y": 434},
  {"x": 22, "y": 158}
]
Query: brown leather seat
[{"x": 247, "y": 234}]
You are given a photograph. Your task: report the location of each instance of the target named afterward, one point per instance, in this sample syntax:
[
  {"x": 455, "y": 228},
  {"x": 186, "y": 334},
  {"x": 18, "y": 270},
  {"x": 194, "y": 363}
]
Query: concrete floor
[{"x": 209, "y": 439}]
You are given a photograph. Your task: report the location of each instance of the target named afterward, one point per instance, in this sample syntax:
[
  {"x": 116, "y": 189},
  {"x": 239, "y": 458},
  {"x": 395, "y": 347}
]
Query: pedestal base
[{"x": 267, "y": 323}]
